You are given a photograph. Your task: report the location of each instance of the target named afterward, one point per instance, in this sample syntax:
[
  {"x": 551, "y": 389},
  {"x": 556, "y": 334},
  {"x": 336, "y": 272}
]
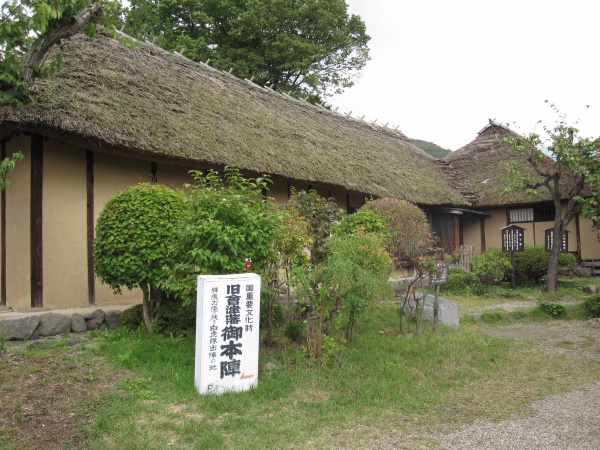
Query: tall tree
[
  {"x": 571, "y": 175},
  {"x": 302, "y": 47}
]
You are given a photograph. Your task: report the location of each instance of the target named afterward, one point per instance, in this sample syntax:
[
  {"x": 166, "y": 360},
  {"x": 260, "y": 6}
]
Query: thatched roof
[
  {"x": 482, "y": 165},
  {"x": 151, "y": 103}
]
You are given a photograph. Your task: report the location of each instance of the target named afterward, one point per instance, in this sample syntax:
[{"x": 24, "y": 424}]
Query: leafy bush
[
  {"x": 491, "y": 266},
  {"x": 135, "y": 239},
  {"x": 278, "y": 316},
  {"x": 461, "y": 282},
  {"x": 227, "y": 222},
  {"x": 555, "y": 309},
  {"x": 591, "y": 305},
  {"x": 133, "y": 317},
  {"x": 531, "y": 265},
  {"x": 566, "y": 262},
  {"x": 173, "y": 318},
  {"x": 409, "y": 233},
  {"x": 362, "y": 221},
  {"x": 294, "y": 330}
]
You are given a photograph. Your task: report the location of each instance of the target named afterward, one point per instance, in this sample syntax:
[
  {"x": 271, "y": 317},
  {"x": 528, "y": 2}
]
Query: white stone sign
[{"x": 227, "y": 325}]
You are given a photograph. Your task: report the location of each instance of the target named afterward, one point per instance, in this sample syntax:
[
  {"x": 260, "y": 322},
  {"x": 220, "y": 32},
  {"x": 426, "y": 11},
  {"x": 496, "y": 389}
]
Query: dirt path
[
  {"x": 558, "y": 422},
  {"x": 574, "y": 338}
]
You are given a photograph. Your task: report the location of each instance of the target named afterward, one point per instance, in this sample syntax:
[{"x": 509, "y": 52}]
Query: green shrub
[
  {"x": 531, "y": 265},
  {"x": 278, "y": 317},
  {"x": 566, "y": 262},
  {"x": 591, "y": 305},
  {"x": 491, "y": 266},
  {"x": 294, "y": 330},
  {"x": 459, "y": 281},
  {"x": 555, "y": 309},
  {"x": 173, "y": 318},
  {"x": 133, "y": 317},
  {"x": 361, "y": 221},
  {"x": 170, "y": 318}
]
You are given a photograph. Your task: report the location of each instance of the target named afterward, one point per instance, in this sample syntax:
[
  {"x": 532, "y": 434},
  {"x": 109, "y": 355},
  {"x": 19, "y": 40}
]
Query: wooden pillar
[
  {"x": 482, "y": 232},
  {"x": 577, "y": 238},
  {"x": 37, "y": 272},
  {"x": 455, "y": 233},
  {"x": 89, "y": 180},
  {"x": 3, "y": 238}
]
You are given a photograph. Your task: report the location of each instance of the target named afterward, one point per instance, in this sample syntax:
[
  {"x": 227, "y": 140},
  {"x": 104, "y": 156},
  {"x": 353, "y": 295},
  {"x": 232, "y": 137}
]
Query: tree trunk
[
  {"x": 46, "y": 41},
  {"x": 552, "y": 277},
  {"x": 146, "y": 307}
]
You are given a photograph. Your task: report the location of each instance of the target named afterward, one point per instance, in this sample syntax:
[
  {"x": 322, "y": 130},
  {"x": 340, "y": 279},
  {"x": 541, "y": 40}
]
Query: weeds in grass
[
  {"x": 2, "y": 342},
  {"x": 452, "y": 376}
]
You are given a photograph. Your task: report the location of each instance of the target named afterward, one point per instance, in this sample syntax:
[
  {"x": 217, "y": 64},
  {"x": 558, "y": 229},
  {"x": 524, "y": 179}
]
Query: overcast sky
[{"x": 440, "y": 69}]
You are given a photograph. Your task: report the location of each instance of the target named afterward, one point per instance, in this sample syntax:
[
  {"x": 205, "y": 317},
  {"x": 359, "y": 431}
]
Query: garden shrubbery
[
  {"x": 462, "y": 282},
  {"x": 531, "y": 265},
  {"x": 171, "y": 318},
  {"x": 591, "y": 305}
]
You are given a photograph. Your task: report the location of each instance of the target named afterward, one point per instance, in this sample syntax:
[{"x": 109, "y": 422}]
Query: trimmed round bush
[
  {"x": 591, "y": 305},
  {"x": 459, "y": 281},
  {"x": 133, "y": 317},
  {"x": 491, "y": 266},
  {"x": 531, "y": 265},
  {"x": 173, "y": 318}
]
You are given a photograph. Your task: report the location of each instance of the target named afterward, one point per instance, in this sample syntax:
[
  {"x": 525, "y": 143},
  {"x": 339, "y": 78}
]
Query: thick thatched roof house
[
  {"x": 114, "y": 116},
  {"x": 482, "y": 166}
]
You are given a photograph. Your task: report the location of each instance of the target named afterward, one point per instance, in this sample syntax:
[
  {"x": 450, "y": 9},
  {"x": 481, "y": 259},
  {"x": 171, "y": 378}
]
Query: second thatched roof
[
  {"x": 146, "y": 101},
  {"x": 482, "y": 166}
]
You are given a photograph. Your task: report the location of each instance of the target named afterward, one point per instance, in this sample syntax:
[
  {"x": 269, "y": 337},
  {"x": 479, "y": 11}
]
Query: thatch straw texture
[
  {"x": 482, "y": 166},
  {"x": 145, "y": 101}
]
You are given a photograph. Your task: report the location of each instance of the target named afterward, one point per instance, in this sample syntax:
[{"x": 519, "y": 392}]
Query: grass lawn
[{"x": 415, "y": 386}]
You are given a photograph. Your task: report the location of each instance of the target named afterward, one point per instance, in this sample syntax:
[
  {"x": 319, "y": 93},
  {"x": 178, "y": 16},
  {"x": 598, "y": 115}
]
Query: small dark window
[{"x": 544, "y": 213}]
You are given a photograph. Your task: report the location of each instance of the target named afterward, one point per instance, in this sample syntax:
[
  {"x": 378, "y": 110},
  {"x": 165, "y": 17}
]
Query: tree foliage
[
  {"x": 409, "y": 234},
  {"x": 30, "y": 28},
  {"x": 135, "y": 243},
  {"x": 570, "y": 174},
  {"x": 303, "y": 47},
  {"x": 362, "y": 221},
  {"x": 228, "y": 222},
  {"x": 6, "y": 166},
  {"x": 433, "y": 149},
  {"x": 321, "y": 214}
]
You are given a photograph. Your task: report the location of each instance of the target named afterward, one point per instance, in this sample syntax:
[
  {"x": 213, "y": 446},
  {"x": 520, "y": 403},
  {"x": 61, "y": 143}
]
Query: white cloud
[{"x": 441, "y": 69}]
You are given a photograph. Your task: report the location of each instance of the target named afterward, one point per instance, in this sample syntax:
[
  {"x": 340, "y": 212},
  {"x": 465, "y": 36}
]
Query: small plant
[
  {"x": 460, "y": 282},
  {"x": 555, "y": 309},
  {"x": 294, "y": 330},
  {"x": 491, "y": 266},
  {"x": 132, "y": 318},
  {"x": 591, "y": 305},
  {"x": 277, "y": 314},
  {"x": 17, "y": 413},
  {"x": 2, "y": 342}
]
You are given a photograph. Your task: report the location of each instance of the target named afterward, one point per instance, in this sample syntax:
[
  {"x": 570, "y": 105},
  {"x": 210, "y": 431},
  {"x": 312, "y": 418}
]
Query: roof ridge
[{"x": 348, "y": 116}]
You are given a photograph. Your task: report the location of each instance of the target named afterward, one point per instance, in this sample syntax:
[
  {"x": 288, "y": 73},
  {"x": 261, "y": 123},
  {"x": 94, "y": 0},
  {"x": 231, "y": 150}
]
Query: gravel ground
[{"x": 568, "y": 421}]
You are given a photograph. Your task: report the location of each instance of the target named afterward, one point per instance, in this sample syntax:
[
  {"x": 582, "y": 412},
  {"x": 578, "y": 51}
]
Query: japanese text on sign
[
  {"x": 513, "y": 239},
  {"x": 226, "y": 335}
]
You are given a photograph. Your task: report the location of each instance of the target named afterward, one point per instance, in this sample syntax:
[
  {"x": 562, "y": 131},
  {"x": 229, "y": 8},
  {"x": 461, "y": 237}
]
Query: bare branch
[{"x": 44, "y": 43}]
